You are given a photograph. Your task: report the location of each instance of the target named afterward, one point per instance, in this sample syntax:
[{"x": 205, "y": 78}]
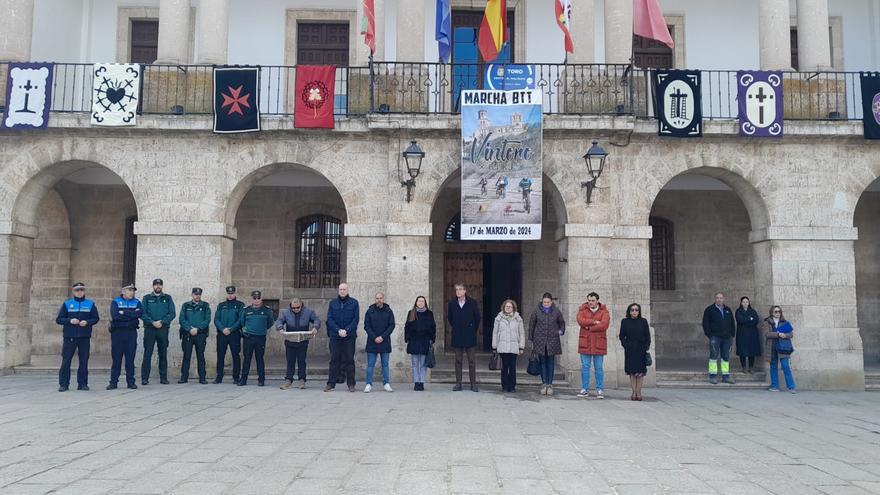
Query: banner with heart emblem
[
  {"x": 28, "y": 96},
  {"x": 314, "y": 93},
  {"x": 236, "y": 100},
  {"x": 759, "y": 98},
  {"x": 870, "y": 82},
  {"x": 116, "y": 90},
  {"x": 679, "y": 105}
]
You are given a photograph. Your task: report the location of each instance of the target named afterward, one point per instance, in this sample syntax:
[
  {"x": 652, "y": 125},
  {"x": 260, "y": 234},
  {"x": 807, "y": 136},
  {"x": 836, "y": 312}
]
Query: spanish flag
[{"x": 493, "y": 30}]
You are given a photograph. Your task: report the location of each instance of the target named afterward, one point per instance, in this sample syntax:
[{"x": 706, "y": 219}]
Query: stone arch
[{"x": 866, "y": 218}]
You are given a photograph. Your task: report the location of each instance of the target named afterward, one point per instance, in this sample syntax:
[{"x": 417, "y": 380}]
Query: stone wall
[
  {"x": 712, "y": 254},
  {"x": 51, "y": 273},
  {"x": 867, "y": 220}
]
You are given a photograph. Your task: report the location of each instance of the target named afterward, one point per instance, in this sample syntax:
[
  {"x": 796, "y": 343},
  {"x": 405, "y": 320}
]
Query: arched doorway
[
  {"x": 289, "y": 243},
  {"x": 83, "y": 214},
  {"x": 701, "y": 221},
  {"x": 867, "y": 260}
]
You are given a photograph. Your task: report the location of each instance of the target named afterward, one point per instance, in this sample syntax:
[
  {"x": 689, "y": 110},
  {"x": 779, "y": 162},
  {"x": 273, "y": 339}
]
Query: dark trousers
[
  {"x": 719, "y": 348},
  {"x": 296, "y": 357},
  {"x": 253, "y": 345},
  {"x": 508, "y": 371},
  {"x": 123, "y": 344},
  {"x": 548, "y": 366},
  {"x": 472, "y": 364},
  {"x": 188, "y": 343},
  {"x": 742, "y": 361},
  {"x": 157, "y": 337},
  {"x": 233, "y": 342},
  {"x": 341, "y": 361},
  {"x": 79, "y": 346}
]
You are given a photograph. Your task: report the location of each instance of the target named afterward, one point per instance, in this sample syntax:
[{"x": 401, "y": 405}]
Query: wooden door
[
  {"x": 322, "y": 43},
  {"x": 466, "y": 268}
]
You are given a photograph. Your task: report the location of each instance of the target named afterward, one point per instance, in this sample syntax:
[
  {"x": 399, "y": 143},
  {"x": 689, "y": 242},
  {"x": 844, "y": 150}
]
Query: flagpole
[{"x": 372, "y": 81}]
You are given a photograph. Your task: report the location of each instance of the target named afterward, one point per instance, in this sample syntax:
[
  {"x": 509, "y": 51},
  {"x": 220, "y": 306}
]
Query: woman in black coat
[
  {"x": 635, "y": 337},
  {"x": 748, "y": 339},
  {"x": 419, "y": 334}
]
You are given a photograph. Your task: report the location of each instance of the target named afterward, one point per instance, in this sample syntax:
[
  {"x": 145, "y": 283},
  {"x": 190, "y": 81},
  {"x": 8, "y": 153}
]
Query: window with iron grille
[
  {"x": 662, "y": 254},
  {"x": 129, "y": 251},
  {"x": 318, "y": 251}
]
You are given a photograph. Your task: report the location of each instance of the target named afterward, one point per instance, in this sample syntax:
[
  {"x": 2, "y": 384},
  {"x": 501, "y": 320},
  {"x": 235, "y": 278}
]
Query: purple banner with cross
[{"x": 759, "y": 97}]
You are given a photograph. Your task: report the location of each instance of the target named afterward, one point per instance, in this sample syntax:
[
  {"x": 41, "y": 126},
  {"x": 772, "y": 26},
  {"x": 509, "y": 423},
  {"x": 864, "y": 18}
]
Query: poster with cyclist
[{"x": 501, "y": 165}]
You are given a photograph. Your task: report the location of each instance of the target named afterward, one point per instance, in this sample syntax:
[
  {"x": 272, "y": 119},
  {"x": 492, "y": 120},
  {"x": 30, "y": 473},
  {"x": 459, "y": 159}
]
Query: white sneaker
[
  {"x": 583, "y": 393},
  {"x": 599, "y": 394},
  {"x": 368, "y": 389},
  {"x": 387, "y": 387}
]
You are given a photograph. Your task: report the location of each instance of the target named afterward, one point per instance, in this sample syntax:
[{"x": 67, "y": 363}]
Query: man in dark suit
[
  {"x": 463, "y": 315},
  {"x": 719, "y": 327}
]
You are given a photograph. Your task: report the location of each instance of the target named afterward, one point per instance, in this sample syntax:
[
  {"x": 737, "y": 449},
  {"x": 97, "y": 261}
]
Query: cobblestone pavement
[{"x": 207, "y": 439}]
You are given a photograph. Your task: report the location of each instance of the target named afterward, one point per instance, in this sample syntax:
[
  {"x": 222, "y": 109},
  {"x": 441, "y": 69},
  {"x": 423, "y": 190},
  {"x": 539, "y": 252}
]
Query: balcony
[{"x": 433, "y": 88}]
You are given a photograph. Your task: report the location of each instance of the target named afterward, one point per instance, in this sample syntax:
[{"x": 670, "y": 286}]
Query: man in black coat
[
  {"x": 719, "y": 327},
  {"x": 463, "y": 315}
]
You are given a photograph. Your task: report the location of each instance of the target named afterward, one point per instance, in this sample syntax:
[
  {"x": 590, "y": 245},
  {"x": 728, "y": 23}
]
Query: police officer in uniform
[
  {"x": 228, "y": 334},
  {"x": 159, "y": 312},
  {"x": 76, "y": 316},
  {"x": 125, "y": 314},
  {"x": 255, "y": 320},
  {"x": 195, "y": 317}
]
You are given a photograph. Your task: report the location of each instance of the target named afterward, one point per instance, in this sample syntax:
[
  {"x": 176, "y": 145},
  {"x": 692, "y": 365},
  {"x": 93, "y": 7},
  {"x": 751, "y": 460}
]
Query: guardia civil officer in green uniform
[
  {"x": 228, "y": 334},
  {"x": 195, "y": 317},
  {"x": 255, "y": 320},
  {"x": 159, "y": 312}
]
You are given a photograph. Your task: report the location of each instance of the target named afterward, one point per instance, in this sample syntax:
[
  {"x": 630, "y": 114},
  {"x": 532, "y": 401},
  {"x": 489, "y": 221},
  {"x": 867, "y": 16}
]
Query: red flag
[
  {"x": 368, "y": 25},
  {"x": 563, "y": 19},
  {"x": 648, "y": 22},
  {"x": 493, "y": 30},
  {"x": 315, "y": 86}
]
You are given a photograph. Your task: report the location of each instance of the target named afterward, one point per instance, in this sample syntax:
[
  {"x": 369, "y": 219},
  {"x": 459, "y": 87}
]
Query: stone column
[
  {"x": 582, "y": 34},
  {"x": 618, "y": 31},
  {"x": 213, "y": 31},
  {"x": 810, "y": 272},
  {"x": 16, "y": 262},
  {"x": 775, "y": 35},
  {"x": 814, "y": 43},
  {"x": 16, "y": 28},
  {"x": 410, "y": 31},
  {"x": 362, "y": 51},
  {"x": 173, "y": 32},
  {"x": 185, "y": 255}
]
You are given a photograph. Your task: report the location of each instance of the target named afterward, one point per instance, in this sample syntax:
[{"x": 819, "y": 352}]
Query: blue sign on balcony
[{"x": 510, "y": 76}]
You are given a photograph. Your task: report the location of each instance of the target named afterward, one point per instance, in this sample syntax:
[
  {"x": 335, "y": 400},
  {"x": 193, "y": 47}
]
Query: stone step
[
  {"x": 447, "y": 375},
  {"x": 872, "y": 382},
  {"x": 698, "y": 379}
]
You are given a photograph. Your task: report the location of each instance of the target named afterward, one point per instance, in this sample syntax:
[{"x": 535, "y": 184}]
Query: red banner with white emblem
[{"x": 315, "y": 86}]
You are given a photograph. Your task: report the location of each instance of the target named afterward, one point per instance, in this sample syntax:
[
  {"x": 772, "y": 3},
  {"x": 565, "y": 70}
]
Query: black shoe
[
  {"x": 203, "y": 381},
  {"x": 62, "y": 388},
  {"x": 415, "y": 386},
  {"x": 457, "y": 388},
  {"x": 164, "y": 381},
  {"x": 474, "y": 388},
  {"x": 83, "y": 387},
  {"x": 235, "y": 380},
  {"x": 218, "y": 380},
  {"x": 261, "y": 383},
  {"x": 145, "y": 382},
  {"x": 728, "y": 379},
  {"x": 132, "y": 386},
  {"x": 241, "y": 383},
  {"x": 182, "y": 380},
  {"x": 112, "y": 386}
]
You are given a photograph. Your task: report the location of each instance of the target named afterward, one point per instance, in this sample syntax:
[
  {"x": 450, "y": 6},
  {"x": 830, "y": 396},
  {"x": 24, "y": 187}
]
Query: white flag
[
  {"x": 28, "y": 95},
  {"x": 116, "y": 93}
]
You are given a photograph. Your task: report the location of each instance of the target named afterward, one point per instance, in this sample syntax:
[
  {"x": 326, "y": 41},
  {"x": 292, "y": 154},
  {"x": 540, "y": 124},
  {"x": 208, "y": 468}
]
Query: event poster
[{"x": 501, "y": 167}]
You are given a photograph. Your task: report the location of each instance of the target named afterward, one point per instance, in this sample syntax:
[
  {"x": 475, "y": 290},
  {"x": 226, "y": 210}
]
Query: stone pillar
[
  {"x": 814, "y": 43},
  {"x": 775, "y": 35},
  {"x": 213, "y": 31},
  {"x": 16, "y": 262},
  {"x": 16, "y": 28},
  {"x": 582, "y": 35},
  {"x": 173, "y": 32},
  {"x": 810, "y": 272},
  {"x": 618, "y": 31},
  {"x": 185, "y": 255},
  {"x": 363, "y": 52},
  {"x": 410, "y": 31},
  {"x": 407, "y": 276}
]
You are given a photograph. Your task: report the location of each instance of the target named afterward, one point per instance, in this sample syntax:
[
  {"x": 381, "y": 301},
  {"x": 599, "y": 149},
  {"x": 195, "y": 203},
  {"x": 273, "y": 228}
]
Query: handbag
[
  {"x": 430, "y": 360},
  {"x": 534, "y": 367},
  {"x": 495, "y": 361},
  {"x": 784, "y": 347},
  {"x": 648, "y": 360}
]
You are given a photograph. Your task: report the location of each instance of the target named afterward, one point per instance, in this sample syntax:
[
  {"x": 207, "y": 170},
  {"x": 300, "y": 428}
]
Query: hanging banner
[
  {"x": 116, "y": 91},
  {"x": 501, "y": 165},
  {"x": 870, "y": 82},
  {"x": 759, "y": 98},
  {"x": 236, "y": 100},
  {"x": 28, "y": 96},
  {"x": 679, "y": 111}
]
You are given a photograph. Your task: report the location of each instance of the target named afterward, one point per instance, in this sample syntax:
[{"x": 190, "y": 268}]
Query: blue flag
[
  {"x": 236, "y": 100},
  {"x": 443, "y": 30}
]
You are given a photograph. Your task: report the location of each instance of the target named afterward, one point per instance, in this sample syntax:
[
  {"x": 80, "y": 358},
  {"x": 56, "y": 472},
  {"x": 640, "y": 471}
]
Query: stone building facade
[{"x": 792, "y": 221}]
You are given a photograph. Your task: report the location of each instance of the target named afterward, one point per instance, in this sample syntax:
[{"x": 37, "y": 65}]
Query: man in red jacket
[{"x": 593, "y": 318}]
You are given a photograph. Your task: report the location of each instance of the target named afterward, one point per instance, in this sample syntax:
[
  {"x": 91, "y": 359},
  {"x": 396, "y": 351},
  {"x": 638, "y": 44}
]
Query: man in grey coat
[{"x": 297, "y": 318}]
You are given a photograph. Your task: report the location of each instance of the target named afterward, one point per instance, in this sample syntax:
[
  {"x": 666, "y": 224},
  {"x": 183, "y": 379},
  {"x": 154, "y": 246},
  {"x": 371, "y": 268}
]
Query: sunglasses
[
  {"x": 296, "y": 308},
  {"x": 776, "y": 312}
]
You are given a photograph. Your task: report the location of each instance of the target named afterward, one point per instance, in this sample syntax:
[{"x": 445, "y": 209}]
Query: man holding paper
[{"x": 298, "y": 324}]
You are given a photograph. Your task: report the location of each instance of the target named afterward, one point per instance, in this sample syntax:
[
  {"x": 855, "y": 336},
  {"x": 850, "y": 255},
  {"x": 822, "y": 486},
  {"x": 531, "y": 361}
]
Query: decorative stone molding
[
  {"x": 388, "y": 229},
  {"x": 19, "y": 229},
  {"x": 608, "y": 231},
  {"x": 185, "y": 229},
  {"x": 804, "y": 234}
]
